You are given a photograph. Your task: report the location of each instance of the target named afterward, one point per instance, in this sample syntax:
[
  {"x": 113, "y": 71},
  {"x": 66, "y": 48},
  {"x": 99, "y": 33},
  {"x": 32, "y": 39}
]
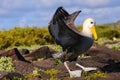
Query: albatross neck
[{"x": 87, "y": 32}]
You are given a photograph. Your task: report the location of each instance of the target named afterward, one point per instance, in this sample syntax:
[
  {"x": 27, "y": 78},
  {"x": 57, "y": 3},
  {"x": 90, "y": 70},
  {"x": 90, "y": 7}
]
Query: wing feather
[{"x": 62, "y": 28}]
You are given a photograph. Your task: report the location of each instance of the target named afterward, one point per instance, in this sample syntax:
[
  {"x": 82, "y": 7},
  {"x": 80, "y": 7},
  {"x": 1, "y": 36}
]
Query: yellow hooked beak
[{"x": 94, "y": 32}]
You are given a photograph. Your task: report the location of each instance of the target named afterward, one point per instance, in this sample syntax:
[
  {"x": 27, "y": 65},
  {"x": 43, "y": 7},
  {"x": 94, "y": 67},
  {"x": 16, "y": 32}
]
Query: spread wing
[{"x": 62, "y": 28}]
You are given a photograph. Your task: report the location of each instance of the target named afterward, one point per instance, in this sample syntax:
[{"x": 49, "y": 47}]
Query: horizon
[{"x": 39, "y": 12}]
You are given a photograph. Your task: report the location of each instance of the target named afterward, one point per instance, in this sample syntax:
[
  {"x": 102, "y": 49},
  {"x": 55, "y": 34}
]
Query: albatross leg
[
  {"x": 86, "y": 68},
  {"x": 75, "y": 73}
]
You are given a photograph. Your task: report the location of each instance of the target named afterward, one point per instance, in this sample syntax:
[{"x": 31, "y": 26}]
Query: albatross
[{"x": 64, "y": 32}]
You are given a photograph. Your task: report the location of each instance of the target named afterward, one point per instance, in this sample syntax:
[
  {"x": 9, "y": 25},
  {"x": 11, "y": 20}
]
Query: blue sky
[{"x": 39, "y": 12}]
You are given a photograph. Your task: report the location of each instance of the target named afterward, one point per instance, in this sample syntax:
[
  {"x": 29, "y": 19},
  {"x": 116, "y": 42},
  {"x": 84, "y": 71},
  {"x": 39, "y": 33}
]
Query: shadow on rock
[{"x": 113, "y": 67}]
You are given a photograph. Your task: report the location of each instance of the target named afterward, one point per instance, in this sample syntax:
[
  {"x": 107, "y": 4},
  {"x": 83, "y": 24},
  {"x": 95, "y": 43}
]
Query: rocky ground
[{"x": 106, "y": 60}]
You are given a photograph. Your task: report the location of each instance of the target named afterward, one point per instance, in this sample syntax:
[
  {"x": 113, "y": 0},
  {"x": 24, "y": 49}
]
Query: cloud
[
  {"x": 94, "y": 3},
  {"x": 39, "y": 12},
  {"x": 102, "y": 15}
]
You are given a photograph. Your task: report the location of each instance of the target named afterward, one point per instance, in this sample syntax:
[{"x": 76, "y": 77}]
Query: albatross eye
[{"x": 92, "y": 22}]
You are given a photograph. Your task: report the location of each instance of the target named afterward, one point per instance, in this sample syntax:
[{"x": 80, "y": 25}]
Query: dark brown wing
[{"x": 62, "y": 28}]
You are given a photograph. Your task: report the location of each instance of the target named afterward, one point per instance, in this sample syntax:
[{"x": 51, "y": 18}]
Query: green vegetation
[
  {"x": 14, "y": 78},
  {"x": 34, "y": 74},
  {"x": 83, "y": 56},
  {"x": 29, "y": 36},
  {"x": 26, "y": 36},
  {"x": 6, "y": 64},
  {"x": 41, "y": 59},
  {"x": 52, "y": 73},
  {"x": 94, "y": 76},
  {"x": 58, "y": 61},
  {"x": 115, "y": 46},
  {"x": 102, "y": 40},
  {"x": 55, "y": 47}
]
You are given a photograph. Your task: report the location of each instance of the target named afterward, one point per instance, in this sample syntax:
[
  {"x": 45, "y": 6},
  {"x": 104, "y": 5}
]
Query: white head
[{"x": 89, "y": 28}]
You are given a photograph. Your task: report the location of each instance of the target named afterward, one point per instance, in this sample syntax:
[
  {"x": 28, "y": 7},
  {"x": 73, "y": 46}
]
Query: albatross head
[{"x": 89, "y": 28}]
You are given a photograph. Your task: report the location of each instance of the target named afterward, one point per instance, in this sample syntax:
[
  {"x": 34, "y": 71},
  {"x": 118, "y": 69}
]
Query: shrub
[
  {"x": 26, "y": 36},
  {"x": 110, "y": 34},
  {"x": 107, "y": 31},
  {"x": 6, "y": 64}
]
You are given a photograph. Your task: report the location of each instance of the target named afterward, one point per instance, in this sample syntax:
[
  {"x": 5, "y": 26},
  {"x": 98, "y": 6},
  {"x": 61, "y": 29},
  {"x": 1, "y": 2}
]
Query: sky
[{"x": 39, "y": 12}]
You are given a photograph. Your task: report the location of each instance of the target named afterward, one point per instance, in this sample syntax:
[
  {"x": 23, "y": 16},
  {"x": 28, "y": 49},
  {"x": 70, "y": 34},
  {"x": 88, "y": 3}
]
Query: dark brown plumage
[{"x": 63, "y": 30}]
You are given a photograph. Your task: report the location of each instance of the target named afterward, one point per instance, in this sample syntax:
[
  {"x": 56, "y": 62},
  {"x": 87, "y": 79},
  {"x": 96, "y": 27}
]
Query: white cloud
[
  {"x": 91, "y": 3},
  {"x": 102, "y": 15},
  {"x": 39, "y": 12},
  {"x": 107, "y": 12},
  {"x": 72, "y": 9},
  {"x": 10, "y": 4},
  {"x": 96, "y": 2},
  {"x": 102, "y": 11},
  {"x": 48, "y": 2}
]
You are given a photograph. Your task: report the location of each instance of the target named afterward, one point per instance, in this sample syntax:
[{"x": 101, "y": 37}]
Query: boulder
[
  {"x": 11, "y": 76},
  {"x": 23, "y": 67},
  {"x": 13, "y": 53},
  {"x": 45, "y": 64},
  {"x": 43, "y": 52},
  {"x": 24, "y": 51},
  {"x": 28, "y": 68},
  {"x": 103, "y": 53}
]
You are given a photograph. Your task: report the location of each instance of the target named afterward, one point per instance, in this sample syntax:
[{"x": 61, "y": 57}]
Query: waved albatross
[{"x": 73, "y": 42}]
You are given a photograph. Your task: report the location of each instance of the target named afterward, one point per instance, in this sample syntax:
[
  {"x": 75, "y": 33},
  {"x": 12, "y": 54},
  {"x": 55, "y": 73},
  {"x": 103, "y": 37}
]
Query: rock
[
  {"x": 78, "y": 78},
  {"x": 43, "y": 52},
  {"x": 3, "y": 74},
  {"x": 14, "y": 54},
  {"x": 113, "y": 76},
  {"x": 64, "y": 72},
  {"x": 28, "y": 68},
  {"x": 90, "y": 62},
  {"x": 34, "y": 78},
  {"x": 24, "y": 51},
  {"x": 104, "y": 53},
  {"x": 23, "y": 67},
  {"x": 10, "y": 76},
  {"x": 105, "y": 59},
  {"x": 45, "y": 64},
  {"x": 111, "y": 42}
]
